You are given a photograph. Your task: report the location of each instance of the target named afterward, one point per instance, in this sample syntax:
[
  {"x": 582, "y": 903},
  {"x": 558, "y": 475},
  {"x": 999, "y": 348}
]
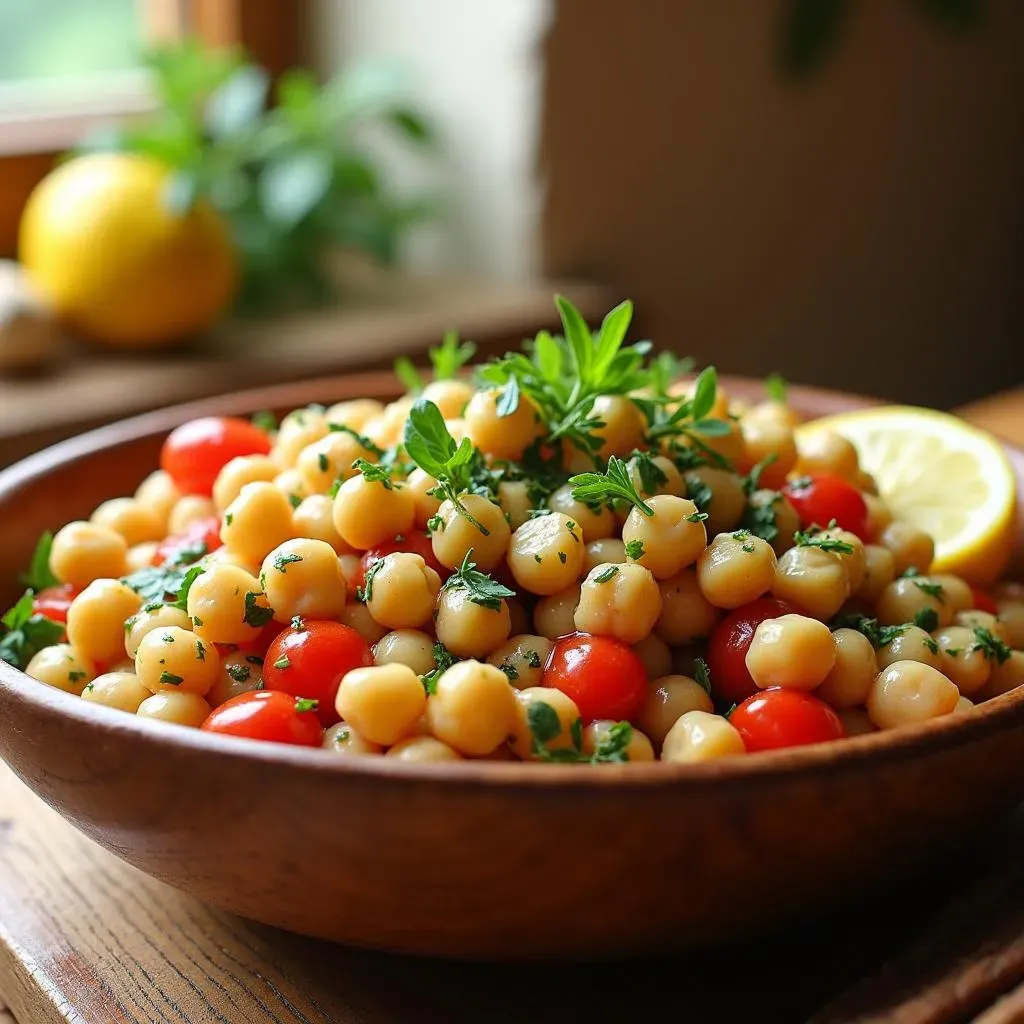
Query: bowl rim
[{"x": 906, "y": 742}]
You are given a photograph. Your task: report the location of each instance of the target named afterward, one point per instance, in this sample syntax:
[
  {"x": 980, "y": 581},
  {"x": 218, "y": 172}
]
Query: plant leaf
[
  {"x": 411, "y": 125},
  {"x": 180, "y": 192},
  {"x": 238, "y": 103},
  {"x": 291, "y": 186}
]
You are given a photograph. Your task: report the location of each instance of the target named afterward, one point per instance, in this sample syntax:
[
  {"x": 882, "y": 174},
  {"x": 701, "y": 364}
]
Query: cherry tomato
[
  {"x": 195, "y": 452},
  {"x": 778, "y": 717},
  {"x": 310, "y": 661},
  {"x": 267, "y": 715},
  {"x": 983, "y": 602},
  {"x": 200, "y": 538},
  {"x": 728, "y": 645},
  {"x": 604, "y": 677},
  {"x": 53, "y": 602},
  {"x": 819, "y": 498},
  {"x": 416, "y": 543}
]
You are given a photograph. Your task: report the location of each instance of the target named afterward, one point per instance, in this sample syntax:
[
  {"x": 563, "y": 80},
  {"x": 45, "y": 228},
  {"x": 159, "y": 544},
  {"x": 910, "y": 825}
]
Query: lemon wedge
[{"x": 941, "y": 474}]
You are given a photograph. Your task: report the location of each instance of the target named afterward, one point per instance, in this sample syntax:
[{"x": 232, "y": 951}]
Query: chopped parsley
[
  {"x": 613, "y": 485},
  {"x": 700, "y": 492},
  {"x": 76, "y": 677},
  {"x": 365, "y": 592},
  {"x": 200, "y": 651},
  {"x": 634, "y": 549},
  {"x": 168, "y": 582},
  {"x": 323, "y": 462},
  {"x": 933, "y": 646},
  {"x": 696, "y": 517},
  {"x": 775, "y": 388},
  {"x": 170, "y": 679},
  {"x": 927, "y": 619},
  {"x": 702, "y": 675},
  {"x": 931, "y": 589},
  {"x": 375, "y": 473},
  {"x": 480, "y": 588},
  {"x": 239, "y": 673},
  {"x": 813, "y": 537},
  {"x": 281, "y": 562},
  {"x": 256, "y": 615},
  {"x": 298, "y": 623},
  {"x": 510, "y": 670},
  {"x": 40, "y": 575},
  {"x": 283, "y": 662},
  {"x": 265, "y": 420},
  {"x": 562, "y": 557},
  {"x": 27, "y": 633},
  {"x": 294, "y": 500},
  {"x": 443, "y": 660},
  {"x": 304, "y": 704},
  {"x": 991, "y": 646},
  {"x": 880, "y": 636},
  {"x": 608, "y": 573},
  {"x": 760, "y": 517},
  {"x": 533, "y": 658}
]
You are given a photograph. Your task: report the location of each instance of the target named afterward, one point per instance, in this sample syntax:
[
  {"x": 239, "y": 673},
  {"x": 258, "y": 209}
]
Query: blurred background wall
[{"x": 862, "y": 227}]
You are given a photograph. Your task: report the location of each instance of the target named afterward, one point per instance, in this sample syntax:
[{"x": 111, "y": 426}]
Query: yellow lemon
[
  {"x": 941, "y": 474},
  {"x": 100, "y": 243}
]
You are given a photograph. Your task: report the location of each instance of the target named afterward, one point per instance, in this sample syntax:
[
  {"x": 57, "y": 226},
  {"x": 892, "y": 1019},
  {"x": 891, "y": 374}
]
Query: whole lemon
[{"x": 100, "y": 243}]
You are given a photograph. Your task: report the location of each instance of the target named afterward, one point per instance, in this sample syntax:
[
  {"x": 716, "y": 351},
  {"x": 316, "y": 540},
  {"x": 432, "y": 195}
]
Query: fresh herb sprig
[
  {"x": 615, "y": 484},
  {"x": 40, "y": 575},
  {"x": 447, "y": 359},
  {"x": 480, "y": 588},
  {"x": 545, "y": 725},
  {"x": 27, "y": 632}
]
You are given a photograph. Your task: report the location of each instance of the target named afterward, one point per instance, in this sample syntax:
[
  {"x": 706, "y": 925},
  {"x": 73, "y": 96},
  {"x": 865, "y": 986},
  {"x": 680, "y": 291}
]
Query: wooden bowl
[{"x": 483, "y": 859}]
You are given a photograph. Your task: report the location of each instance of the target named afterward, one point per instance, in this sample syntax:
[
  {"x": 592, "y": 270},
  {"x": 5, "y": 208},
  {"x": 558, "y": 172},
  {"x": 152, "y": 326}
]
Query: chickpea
[
  {"x": 61, "y": 666},
  {"x": 382, "y": 702},
  {"x": 408, "y": 647},
  {"x": 514, "y": 500},
  {"x": 974, "y": 619},
  {"x": 314, "y": 519},
  {"x": 656, "y": 656},
  {"x": 188, "y": 709},
  {"x": 866, "y": 483},
  {"x": 686, "y": 613},
  {"x": 239, "y": 471},
  {"x": 610, "y": 551},
  {"x": 450, "y": 396},
  {"x": 343, "y": 739},
  {"x": 668, "y": 699},
  {"x": 546, "y": 554},
  {"x": 468, "y": 629},
  {"x": 473, "y": 708},
  {"x": 222, "y": 556},
  {"x": 701, "y": 736},
  {"x": 909, "y": 596},
  {"x": 813, "y": 579},
  {"x": 793, "y": 651},
  {"x": 177, "y": 660},
  {"x": 455, "y": 535},
  {"x": 83, "y": 552},
  {"x": 727, "y": 500},
  {"x": 775, "y": 410},
  {"x": 956, "y": 592},
  {"x": 854, "y": 561},
  {"x": 961, "y": 660},
  {"x": 518, "y": 616},
  {"x": 187, "y": 510},
  {"x": 239, "y": 673},
  {"x": 120, "y": 690},
  {"x": 257, "y": 521},
  {"x": 330, "y": 458},
  {"x": 298, "y": 429},
  {"x": 622, "y": 601},
  {"x": 730, "y": 446},
  {"x": 354, "y": 413},
  {"x": 423, "y": 750},
  {"x": 148, "y": 618},
  {"x": 226, "y": 605},
  {"x": 595, "y": 522},
  {"x": 763, "y": 437},
  {"x": 386, "y": 429},
  {"x": 849, "y": 681},
  {"x": 879, "y": 572},
  {"x": 554, "y": 615},
  {"x": 292, "y": 484},
  {"x": 909, "y": 644},
  {"x": 303, "y": 577},
  {"x": 856, "y": 721},
  {"x": 911, "y": 548},
  {"x": 158, "y": 492},
  {"x": 503, "y": 437},
  {"x": 357, "y": 616},
  {"x": 522, "y": 659},
  {"x": 963, "y": 705},
  {"x": 140, "y": 556},
  {"x": 96, "y": 619},
  {"x": 786, "y": 521},
  {"x": 623, "y": 425},
  {"x": 659, "y": 471},
  {"x": 598, "y": 732},
  {"x": 907, "y": 691},
  {"x": 522, "y": 740},
  {"x": 879, "y": 515},
  {"x": 133, "y": 520},
  {"x": 1011, "y": 620},
  {"x": 828, "y": 452},
  {"x": 1004, "y": 677},
  {"x": 401, "y": 591},
  {"x": 371, "y": 512},
  {"x": 667, "y": 540},
  {"x": 736, "y": 568}
]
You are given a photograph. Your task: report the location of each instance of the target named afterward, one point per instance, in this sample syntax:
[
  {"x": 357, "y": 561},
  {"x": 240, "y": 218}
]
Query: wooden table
[{"x": 87, "y": 939}]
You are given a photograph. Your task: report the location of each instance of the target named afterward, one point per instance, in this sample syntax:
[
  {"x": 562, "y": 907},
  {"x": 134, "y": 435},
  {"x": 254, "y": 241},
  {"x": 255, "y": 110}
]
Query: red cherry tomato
[
  {"x": 195, "y": 452},
  {"x": 312, "y": 660},
  {"x": 266, "y": 715},
  {"x": 53, "y": 602},
  {"x": 983, "y": 602},
  {"x": 728, "y": 645},
  {"x": 820, "y": 498},
  {"x": 200, "y": 538},
  {"x": 417, "y": 543},
  {"x": 777, "y": 717},
  {"x": 604, "y": 677}
]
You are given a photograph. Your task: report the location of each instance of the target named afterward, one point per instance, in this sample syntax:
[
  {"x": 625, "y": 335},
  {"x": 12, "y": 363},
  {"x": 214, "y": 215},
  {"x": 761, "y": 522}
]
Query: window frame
[{"x": 273, "y": 34}]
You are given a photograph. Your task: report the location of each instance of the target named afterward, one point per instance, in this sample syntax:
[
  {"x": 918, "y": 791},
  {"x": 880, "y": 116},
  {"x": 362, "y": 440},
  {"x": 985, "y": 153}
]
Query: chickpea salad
[{"x": 579, "y": 553}]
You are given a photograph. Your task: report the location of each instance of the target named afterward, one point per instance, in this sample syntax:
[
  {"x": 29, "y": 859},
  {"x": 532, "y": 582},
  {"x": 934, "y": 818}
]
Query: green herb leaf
[
  {"x": 450, "y": 356},
  {"x": 443, "y": 660},
  {"x": 543, "y": 721},
  {"x": 612, "y": 747},
  {"x": 265, "y": 420},
  {"x": 290, "y": 186},
  {"x": 39, "y": 575},
  {"x": 812, "y": 539},
  {"x": 931, "y": 589},
  {"x": 256, "y": 615},
  {"x": 375, "y": 473},
  {"x": 239, "y": 673},
  {"x": 608, "y": 487},
  {"x": 304, "y": 704},
  {"x": 927, "y": 619},
  {"x": 699, "y": 491},
  {"x": 508, "y": 399},
  {"x": 27, "y": 633},
  {"x": 170, "y": 679},
  {"x": 283, "y": 662},
  {"x": 408, "y": 376},
  {"x": 991, "y": 646},
  {"x": 634, "y": 550},
  {"x": 702, "y": 675},
  {"x": 934, "y": 647},
  {"x": 365, "y": 592},
  {"x": 776, "y": 388},
  {"x": 480, "y": 588},
  {"x": 609, "y": 572}
]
